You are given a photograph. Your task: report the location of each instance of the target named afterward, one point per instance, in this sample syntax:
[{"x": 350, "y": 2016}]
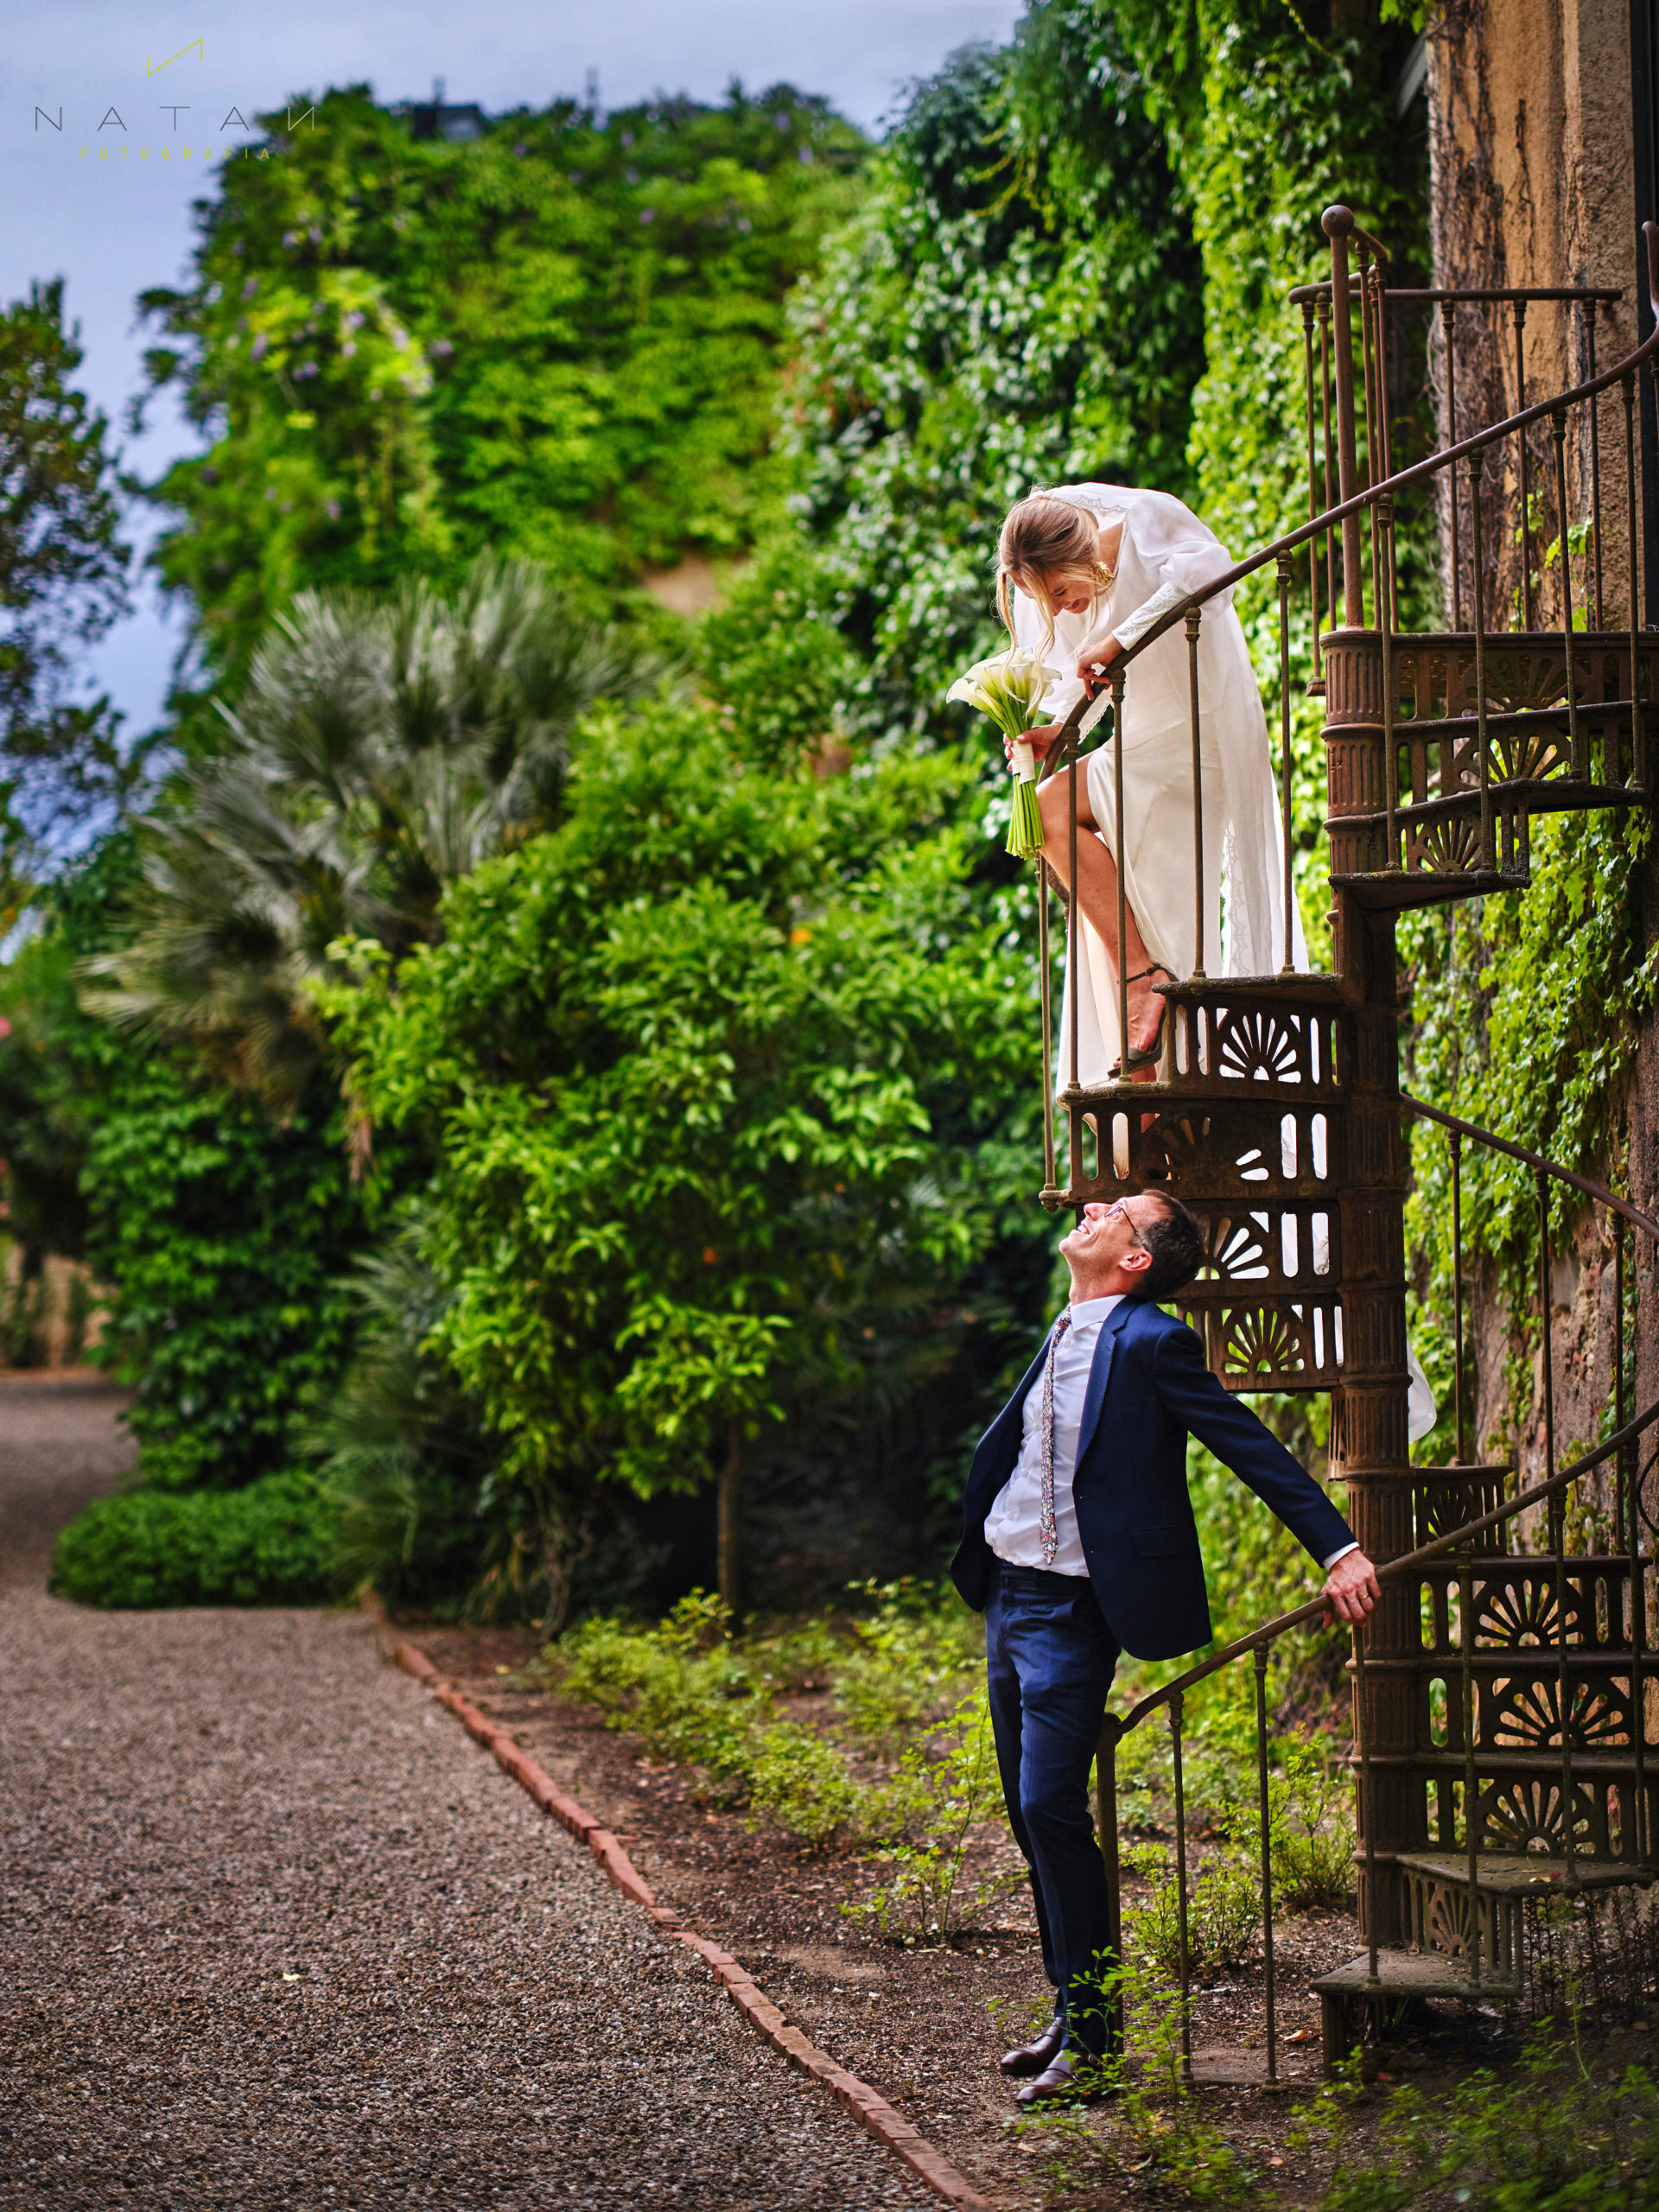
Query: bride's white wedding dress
[{"x": 1164, "y": 553}]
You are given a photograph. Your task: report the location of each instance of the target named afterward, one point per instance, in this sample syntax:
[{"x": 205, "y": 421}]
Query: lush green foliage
[
  {"x": 266, "y": 1545},
  {"x": 1016, "y": 305},
  {"x": 689, "y": 1691},
  {"x": 558, "y": 341},
  {"x": 218, "y": 1236},
  {"x": 1551, "y": 2135},
  {"x": 1527, "y": 1013},
  {"x": 62, "y": 583},
  {"x": 377, "y": 751},
  {"x": 677, "y": 1063}
]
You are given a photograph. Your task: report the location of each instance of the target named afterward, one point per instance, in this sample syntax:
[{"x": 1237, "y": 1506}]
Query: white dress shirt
[{"x": 1013, "y": 1527}]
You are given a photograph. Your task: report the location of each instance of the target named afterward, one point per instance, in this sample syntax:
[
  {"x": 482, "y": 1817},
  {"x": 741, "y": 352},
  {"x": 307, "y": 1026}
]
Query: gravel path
[{"x": 273, "y": 1932}]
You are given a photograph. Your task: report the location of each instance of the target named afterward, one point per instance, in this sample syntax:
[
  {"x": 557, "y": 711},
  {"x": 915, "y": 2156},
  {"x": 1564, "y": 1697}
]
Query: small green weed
[
  {"x": 910, "y": 1664},
  {"x": 1223, "y": 1912},
  {"x": 1547, "y": 2136},
  {"x": 1154, "y": 2129},
  {"x": 924, "y": 1896}
]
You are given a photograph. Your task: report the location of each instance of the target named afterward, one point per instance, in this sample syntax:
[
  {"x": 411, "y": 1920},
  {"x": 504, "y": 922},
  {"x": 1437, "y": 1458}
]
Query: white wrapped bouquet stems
[{"x": 1008, "y": 691}]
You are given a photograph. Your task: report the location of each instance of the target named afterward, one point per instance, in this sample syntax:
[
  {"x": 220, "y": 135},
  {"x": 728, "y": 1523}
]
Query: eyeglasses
[{"x": 1120, "y": 1206}]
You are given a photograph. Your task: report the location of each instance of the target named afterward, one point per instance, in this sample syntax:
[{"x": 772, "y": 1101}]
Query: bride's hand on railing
[
  {"x": 1351, "y": 1589},
  {"x": 1094, "y": 662},
  {"x": 1041, "y": 742}
]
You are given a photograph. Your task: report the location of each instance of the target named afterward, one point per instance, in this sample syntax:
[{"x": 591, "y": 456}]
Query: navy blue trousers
[{"x": 1050, "y": 1658}]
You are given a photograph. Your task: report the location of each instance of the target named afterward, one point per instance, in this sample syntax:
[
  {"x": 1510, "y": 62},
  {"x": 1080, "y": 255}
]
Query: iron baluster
[
  {"x": 1526, "y": 467},
  {"x": 1045, "y": 994},
  {"x": 1194, "y": 617},
  {"x": 1620, "y": 1470},
  {"x": 1330, "y": 475},
  {"x": 1121, "y": 845},
  {"x": 1312, "y": 486},
  {"x": 1362, "y": 1732},
  {"x": 1284, "y": 755},
  {"x": 1638, "y": 763},
  {"x": 1381, "y": 531},
  {"x": 1373, "y": 474},
  {"x": 1176, "y": 1708},
  {"x": 1558, "y": 1544},
  {"x": 1265, "y": 1805},
  {"x": 1337, "y": 222},
  {"x": 1456, "y": 1289},
  {"x": 1386, "y": 428},
  {"x": 1595, "y": 460},
  {"x": 1470, "y": 1781},
  {"x": 1578, "y": 739},
  {"x": 1487, "y": 857},
  {"x": 1111, "y": 1731},
  {"x": 1448, "y": 321},
  {"x": 1073, "y": 1085}
]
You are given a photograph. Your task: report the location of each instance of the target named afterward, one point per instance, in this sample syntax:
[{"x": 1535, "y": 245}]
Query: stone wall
[{"x": 1532, "y": 169}]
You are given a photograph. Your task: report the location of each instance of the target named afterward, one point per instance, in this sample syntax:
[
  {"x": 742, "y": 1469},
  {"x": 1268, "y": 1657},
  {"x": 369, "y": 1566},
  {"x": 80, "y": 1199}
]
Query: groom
[{"x": 1080, "y": 1542}]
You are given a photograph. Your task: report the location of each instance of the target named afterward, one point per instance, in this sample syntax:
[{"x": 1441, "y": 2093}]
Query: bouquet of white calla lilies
[{"x": 1008, "y": 691}]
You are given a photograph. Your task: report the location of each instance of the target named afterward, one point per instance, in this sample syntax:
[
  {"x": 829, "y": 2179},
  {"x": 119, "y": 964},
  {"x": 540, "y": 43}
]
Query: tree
[
  {"x": 379, "y": 750},
  {"x": 559, "y": 340},
  {"x": 62, "y": 583},
  {"x": 673, "y": 1064}
]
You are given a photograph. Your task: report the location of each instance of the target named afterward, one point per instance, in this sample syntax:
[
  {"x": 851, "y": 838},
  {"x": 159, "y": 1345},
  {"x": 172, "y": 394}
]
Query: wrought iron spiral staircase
[{"x": 1503, "y": 1737}]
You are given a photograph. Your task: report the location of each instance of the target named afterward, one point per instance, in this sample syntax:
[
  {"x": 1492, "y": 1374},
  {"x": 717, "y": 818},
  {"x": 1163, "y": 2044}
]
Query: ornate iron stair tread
[
  {"x": 1536, "y": 794},
  {"x": 1524, "y": 1873},
  {"x": 1395, "y": 890},
  {"x": 1612, "y": 1765},
  {"x": 1412, "y": 1973}
]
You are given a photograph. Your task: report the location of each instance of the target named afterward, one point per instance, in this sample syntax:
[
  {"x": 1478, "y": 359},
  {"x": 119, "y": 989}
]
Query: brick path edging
[{"x": 888, "y": 2127}]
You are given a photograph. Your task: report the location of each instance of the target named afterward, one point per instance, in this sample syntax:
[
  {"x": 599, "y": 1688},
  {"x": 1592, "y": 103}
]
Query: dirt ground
[{"x": 923, "y": 2026}]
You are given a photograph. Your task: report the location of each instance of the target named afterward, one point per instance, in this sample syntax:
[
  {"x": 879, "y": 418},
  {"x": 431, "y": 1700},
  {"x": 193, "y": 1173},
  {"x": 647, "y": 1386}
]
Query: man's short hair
[{"x": 1175, "y": 1239}]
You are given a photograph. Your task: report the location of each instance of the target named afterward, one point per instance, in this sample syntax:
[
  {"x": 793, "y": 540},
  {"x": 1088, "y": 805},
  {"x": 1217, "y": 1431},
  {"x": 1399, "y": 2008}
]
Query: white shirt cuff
[{"x": 1327, "y": 1564}]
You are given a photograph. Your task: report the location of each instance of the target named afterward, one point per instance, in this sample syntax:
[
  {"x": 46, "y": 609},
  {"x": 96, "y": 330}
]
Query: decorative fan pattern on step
[
  {"x": 1516, "y": 1615},
  {"x": 1446, "y": 847},
  {"x": 1236, "y": 1248},
  {"x": 1526, "y": 1713},
  {"x": 1447, "y": 1922},
  {"x": 1257, "y": 1043},
  {"x": 1265, "y": 1340},
  {"x": 1528, "y": 1817},
  {"x": 1530, "y": 755}
]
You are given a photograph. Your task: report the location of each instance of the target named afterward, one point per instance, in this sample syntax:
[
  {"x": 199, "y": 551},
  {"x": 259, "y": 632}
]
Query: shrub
[
  {"x": 924, "y": 1896},
  {"x": 1550, "y": 2136},
  {"x": 909, "y": 1665},
  {"x": 1311, "y": 1806},
  {"x": 1223, "y": 1912},
  {"x": 266, "y": 1545}
]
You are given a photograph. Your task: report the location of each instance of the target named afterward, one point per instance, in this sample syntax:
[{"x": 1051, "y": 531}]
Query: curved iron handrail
[
  {"x": 1534, "y": 1160},
  {"x": 1271, "y": 1630},
  {"x": 1387, "y": 485}
]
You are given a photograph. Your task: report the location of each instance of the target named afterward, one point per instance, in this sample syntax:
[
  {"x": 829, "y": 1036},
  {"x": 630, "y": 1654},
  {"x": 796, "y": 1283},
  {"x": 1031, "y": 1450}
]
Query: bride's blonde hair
[{"x": 1051, "y": 545}]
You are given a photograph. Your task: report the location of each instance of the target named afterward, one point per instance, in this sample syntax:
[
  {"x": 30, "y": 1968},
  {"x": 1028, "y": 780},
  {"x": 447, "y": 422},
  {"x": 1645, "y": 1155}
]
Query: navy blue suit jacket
[{"x": 1148, "y": 1390}]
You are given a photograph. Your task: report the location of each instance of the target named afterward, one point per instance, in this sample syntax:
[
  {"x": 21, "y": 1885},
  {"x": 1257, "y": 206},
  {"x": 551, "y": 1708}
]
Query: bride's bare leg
[{"x": 1098, "y": 897}]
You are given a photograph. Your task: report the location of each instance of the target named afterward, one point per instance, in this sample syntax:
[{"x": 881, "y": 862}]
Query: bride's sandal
[{"x": 1145, "y": 1056}]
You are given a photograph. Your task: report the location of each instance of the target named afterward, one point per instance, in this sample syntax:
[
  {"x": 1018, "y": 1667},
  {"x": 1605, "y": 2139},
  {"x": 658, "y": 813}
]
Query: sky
[{"x": 110, "y": 227}]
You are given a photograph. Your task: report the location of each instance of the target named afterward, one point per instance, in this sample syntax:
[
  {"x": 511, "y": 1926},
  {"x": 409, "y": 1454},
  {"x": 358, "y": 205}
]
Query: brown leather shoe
[
  {"x": 1033, "y": 2057},
  {"x": 1071, "y": 2077}
]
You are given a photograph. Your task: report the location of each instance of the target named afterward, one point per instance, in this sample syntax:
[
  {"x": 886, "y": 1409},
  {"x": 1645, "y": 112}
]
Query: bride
[{"x": 1088, "y": 568}]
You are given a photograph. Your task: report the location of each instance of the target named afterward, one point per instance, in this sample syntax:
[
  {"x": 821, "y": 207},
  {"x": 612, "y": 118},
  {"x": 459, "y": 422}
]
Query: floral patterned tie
[{"x": 1051, "y": 1534}]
